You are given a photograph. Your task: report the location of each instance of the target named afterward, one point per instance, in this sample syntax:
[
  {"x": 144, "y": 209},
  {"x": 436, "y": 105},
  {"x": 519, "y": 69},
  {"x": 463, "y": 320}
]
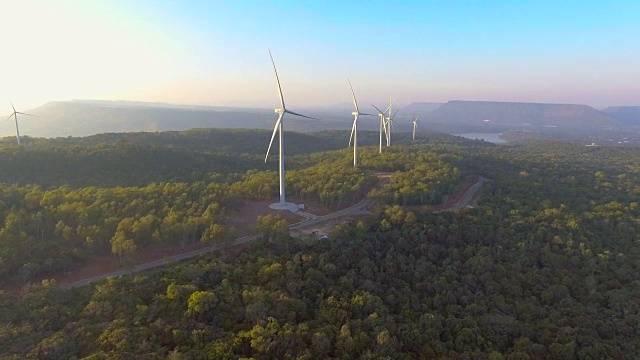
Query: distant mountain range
[
  {"x": 88, "y": 117},
  {"x": 628, "y": 115},
  {"x": 421, "y": 107},
  {"x": 82, "y": 118},
  {"x": 490, "y": 116}
]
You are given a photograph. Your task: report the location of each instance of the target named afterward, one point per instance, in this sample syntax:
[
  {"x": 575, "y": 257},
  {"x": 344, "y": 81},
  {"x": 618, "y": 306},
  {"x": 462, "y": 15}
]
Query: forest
[
  {"x": 62, "y": 219},
  {"x": 546, "y": 264}
]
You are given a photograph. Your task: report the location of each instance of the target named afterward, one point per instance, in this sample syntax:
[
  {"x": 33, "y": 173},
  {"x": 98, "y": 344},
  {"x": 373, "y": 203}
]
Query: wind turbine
[
  {"x": 415, "y": 119},
  {"x": 15, "y": 116},
  {"x": 282, "y": 205},
  {"x": 354, "y": 129},
  {"x": 382, "y": 124},
  {"x": 390, "y": 122}
]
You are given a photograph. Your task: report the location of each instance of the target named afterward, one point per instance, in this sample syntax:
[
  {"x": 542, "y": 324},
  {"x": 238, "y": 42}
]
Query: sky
[{"x": 216, "y": 52}]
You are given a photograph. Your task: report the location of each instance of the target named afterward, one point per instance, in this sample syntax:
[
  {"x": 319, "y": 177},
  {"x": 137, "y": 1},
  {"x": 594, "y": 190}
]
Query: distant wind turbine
[
  {"x": 282, "y": 205},
  {"x": 382, "y": 124},
  {"x": 354, "y": 128},
  {"x": 390, "y": 122},
  {"x": 15, "y": 116},
  {"x": 415, "y": 120}
]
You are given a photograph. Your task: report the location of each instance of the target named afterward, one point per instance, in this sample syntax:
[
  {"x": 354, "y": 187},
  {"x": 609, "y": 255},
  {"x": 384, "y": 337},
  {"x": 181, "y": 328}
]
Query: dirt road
[
  {"x": 469, "y": 195},
  {"x": 357, "y": 209}
]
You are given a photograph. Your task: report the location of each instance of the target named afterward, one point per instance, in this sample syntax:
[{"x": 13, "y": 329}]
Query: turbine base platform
[{"x": 286, "y": 206}]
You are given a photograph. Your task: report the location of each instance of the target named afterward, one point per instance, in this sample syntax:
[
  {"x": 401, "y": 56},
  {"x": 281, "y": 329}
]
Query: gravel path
[{"x": 356, "y": 209}]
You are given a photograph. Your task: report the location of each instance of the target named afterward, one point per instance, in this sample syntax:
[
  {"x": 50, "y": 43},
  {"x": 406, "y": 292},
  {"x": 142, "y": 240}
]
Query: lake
[{"x": 489, "y": 137}]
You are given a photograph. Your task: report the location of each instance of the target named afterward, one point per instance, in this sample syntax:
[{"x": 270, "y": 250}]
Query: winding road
[
  {"x": 469, "y": 195},
  {"x": 357, "y": 209}
]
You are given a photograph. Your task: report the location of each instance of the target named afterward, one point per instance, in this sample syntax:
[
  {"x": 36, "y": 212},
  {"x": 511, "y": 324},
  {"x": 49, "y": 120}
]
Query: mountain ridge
[
  {"x": 497, "y": 116},
  {"x": 629, "y": 115},
  {"x": 89, "y": 117}
]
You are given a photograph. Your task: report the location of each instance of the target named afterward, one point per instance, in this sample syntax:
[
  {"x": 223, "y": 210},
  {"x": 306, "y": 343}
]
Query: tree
[
  {"x": 272, "y": 228},
  {"x": 124, "y": 247},
  {"x": 216, "y": 234},
  {"x": 201, "y": 304}
]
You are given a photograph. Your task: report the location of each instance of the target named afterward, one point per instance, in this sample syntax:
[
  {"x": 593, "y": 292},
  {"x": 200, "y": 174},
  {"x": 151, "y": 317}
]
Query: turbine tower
[
  {"x": 354, "y": 128},
  {"x": 15, "y": 116},
  {"x": 383, "y": 125},
  {"x": 415, "y": 119},
  {"x": 282, "y": 205},
  {"x": 390, "y": 122}
]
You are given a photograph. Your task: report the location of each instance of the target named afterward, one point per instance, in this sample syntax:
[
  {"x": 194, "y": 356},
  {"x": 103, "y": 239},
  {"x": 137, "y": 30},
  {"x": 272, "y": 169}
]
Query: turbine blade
[
  {"x": 379, "y": 111},
  {"x": 14, "y": 108},
  {"x": 390, "y": 104},
  {"x": 353, "y": 129},
  {"x": 355, "y": 103},
  {"x": 359, "y": 113},
  {"x": 21, "y": 113},
  {"x": 9, "y": 117},
  {"x": 275, "y": 129},
  {"x": 394, "y": 114},
  {"x": 304, "y": 116},
  {"x": 277, "y": 80}
]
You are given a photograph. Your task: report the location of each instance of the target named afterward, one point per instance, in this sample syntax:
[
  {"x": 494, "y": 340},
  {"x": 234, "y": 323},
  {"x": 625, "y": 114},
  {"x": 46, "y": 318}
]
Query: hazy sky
[{"x": 216, "y": 52}]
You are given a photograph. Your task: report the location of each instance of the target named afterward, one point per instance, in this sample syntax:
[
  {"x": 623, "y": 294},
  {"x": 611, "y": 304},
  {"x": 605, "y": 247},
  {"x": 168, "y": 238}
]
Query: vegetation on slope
[
  {"x": 48, "y": 231},
  {"x": 136, "y": 159}
]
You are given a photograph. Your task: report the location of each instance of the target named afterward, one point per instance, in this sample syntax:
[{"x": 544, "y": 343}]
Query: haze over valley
[{"x": 84, "y": 117}]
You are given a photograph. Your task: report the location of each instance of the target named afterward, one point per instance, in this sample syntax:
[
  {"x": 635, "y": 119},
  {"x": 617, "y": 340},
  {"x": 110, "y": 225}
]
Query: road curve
[
  {"x": 356, "y": 209},
  {"x": 468, "y": 196}
]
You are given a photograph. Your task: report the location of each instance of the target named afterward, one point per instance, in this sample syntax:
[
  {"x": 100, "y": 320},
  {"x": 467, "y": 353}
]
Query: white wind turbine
[
  {"x": 282, "y": 205},
  {"x": 383, "y": 126},
  {"x": 390, "y": 122},
  {"x": 354, "y": 128},
  {"x": 415, "y": 120},
  {"x": 15, "y": 116}
]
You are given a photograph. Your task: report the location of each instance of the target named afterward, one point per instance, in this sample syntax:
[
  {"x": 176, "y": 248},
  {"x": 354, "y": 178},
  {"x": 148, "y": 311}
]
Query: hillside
[
  {"x": 628, "y": 115},
  {"x": 84, "y": 118},
  {"x": 491, "y": 116},
  {"x": 544, "y": 266},
  {"x": 88, "y": 117},
  {"x": 420, "y": 107},
  {"x": 139, "y": 158}
]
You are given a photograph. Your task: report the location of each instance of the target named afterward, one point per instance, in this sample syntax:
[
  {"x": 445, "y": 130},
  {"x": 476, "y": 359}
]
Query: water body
[{"x": 489, "y": 137}]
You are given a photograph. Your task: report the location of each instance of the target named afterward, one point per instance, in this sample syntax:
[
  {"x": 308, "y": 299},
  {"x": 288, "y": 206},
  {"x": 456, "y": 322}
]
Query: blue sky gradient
[{"x": 215, "y": 52}]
